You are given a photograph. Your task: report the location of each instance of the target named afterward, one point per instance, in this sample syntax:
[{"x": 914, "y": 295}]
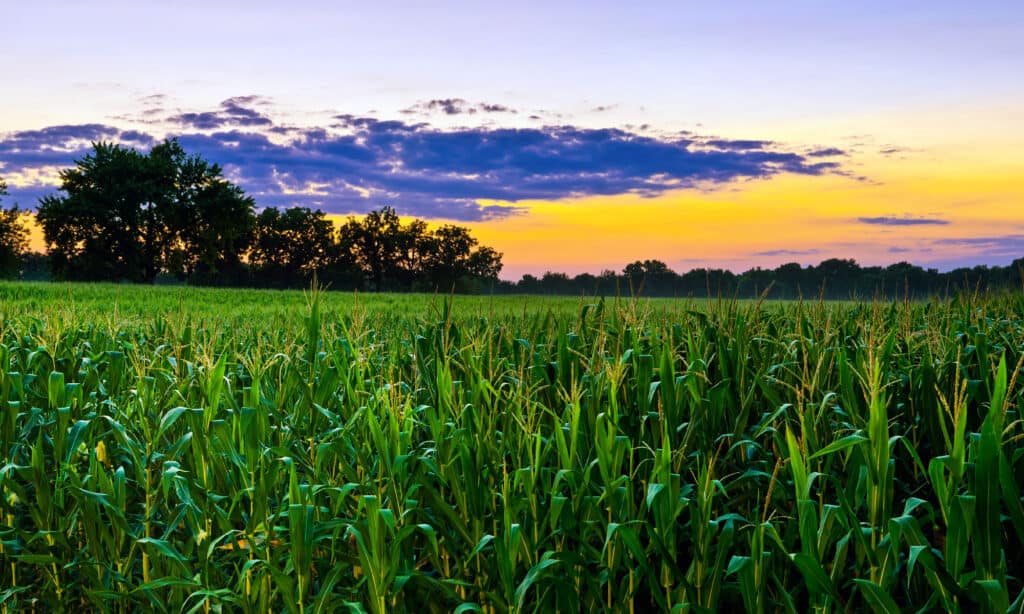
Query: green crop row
[{"x": 174, "y": 450}]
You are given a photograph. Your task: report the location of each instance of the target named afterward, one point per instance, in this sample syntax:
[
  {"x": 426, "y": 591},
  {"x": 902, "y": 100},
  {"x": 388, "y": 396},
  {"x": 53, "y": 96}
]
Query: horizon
[{"x": 569, "y": 140}]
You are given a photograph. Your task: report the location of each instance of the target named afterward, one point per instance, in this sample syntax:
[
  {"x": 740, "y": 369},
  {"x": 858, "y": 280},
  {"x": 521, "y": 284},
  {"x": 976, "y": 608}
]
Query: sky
[{"x": 570, "y": 136}]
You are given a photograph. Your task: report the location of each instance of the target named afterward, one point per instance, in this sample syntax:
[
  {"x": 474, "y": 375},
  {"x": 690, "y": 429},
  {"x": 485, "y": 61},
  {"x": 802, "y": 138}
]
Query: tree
[
  {"x": 452, "y": 260},
  {"x": 790, "y": 278},
  {"x": 653, "y": 276},
  {"x": 484, "y": 263},
  {"x": 290, "y": 246},
  {"x": 555, "y": 283},
  {"x": 396, "y": 256},
  {"x": 378, "y": 245},
  {"x": 838, "y": 276},
  {"x": 125, "y": 215},
  {"x": 13, "y": 238},
  {"x": 213, "y": 218}
]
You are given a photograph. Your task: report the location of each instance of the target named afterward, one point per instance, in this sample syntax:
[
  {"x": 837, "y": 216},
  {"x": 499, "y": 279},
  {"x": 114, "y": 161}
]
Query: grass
[{"x": 174, "y": 450}]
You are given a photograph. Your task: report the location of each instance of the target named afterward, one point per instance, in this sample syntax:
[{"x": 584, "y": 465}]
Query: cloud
[
  {"x": 959, "y": 252},
  {"x": 488, "y": 107},
  {"x": 747, "y": 144},
  {"x": 235, "y": 111},
  {"x": 355, "y": 164},
  {"x": 826, "y": 152},
  {"x": 455, "y": 106},
  {"x": 60, "y": 145},
  {"x": 1012, "y": 244},
  {"x": 787, "y": 252},
  {"x": 902, "y": 221}
]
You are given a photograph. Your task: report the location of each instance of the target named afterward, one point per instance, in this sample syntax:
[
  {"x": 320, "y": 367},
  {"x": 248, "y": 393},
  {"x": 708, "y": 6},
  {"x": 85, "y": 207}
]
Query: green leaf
[{"x": 879, "y": 600}]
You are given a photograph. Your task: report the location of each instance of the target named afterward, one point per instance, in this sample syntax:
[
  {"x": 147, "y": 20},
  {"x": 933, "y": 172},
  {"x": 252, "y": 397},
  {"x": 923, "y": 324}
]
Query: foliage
[
  {"x": 388, "y": 453},
  {"x": 124, "y": 215},
  {"x": 13, "y": 238},
  {"x": 841, "y": 279},
  {"x": 292, "y": 246},
  {"x": 398, "y": 256}
]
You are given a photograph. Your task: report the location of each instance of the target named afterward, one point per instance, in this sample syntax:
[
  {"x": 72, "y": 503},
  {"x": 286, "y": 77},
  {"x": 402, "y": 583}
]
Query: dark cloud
[
  {"x": 60, "y": 145},
  {"x": 726, "y": 144},
  {"x": 247, "y": 101},
  {"x": 902, "y": 221},
  {"x": 787, "y": 252},
  {"x": 826, "y": 152},
  {"x": 455, "y": 106},
  {"x": 495, "y": 108},
  {"x": 233, "y": 112},
  {"x": 361, "y": 163}
]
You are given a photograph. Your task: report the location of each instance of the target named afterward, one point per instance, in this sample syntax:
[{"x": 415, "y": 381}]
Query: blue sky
[
  {"x": 526, "y": 110},
  {"x": 725, "y": 65}
]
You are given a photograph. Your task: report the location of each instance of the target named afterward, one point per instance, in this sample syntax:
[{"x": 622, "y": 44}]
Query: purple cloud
[
  {"x": 361, "y": 163},
  {"x": 787, "y": 252},
  {"x": 234, "y": 111},
  {"x": 456, "y": 106},
  {"x": 827, "y": 152},
  {"x": 902, "y": 221}
]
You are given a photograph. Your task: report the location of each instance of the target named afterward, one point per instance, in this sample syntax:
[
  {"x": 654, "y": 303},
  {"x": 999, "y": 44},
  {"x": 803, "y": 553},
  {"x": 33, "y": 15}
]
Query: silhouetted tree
[
  {"x": 529, "y": 284},
  {"x": 555, "y": 283},
  {"x": 124, "y": 215},
  {"x": 649, "y": 277},
  {"x": 837, "y": 277},
  {"x": 13, "y": 238},
  {"x": 484, "y": 263},
  {"x": 397, "y": 256},
  {"x": 452, "y": 260},
  {"x": 789, "y": 279},
  {"x": 378, "y": 244},
  {"x": 214, "y": 220},
  {"x": 289, "y": 246}
]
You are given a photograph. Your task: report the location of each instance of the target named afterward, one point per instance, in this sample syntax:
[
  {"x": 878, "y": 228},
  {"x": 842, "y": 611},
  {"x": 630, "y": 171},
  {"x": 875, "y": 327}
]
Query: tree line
[
  {"x": 165, "y": 215},
  {"x": 834, "y": 279},
  {"x": 124, "y": 215}
]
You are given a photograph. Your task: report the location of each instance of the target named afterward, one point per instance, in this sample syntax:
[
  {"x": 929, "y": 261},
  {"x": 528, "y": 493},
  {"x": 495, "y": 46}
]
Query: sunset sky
[{"x": 576, "y": 137}]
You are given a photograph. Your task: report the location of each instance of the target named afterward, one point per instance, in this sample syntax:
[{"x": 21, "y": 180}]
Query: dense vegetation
[
  {"x": 835, "y": 278},
  {"x": 13, "y": 237},
  {"x": 169, "y": 449},
  {"x": 122, "y": 215}
]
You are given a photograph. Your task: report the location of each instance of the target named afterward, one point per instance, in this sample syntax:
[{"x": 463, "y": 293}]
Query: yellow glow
[
  {"x": 811, "y": 218},
  {"x": 944, "y": 174}
]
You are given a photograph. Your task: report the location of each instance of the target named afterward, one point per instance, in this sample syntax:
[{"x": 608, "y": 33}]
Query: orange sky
[
  {"x": 958, "y": 164},
  {"x": 771, "y": 221}
]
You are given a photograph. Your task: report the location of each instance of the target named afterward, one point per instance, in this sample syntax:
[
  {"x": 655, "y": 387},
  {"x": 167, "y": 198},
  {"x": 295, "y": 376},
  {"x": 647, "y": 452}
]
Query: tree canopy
[
  {"x": 411, "y": 256},
  {"x": 123, "y": 215},
  {"x": 13, "y": 237}
]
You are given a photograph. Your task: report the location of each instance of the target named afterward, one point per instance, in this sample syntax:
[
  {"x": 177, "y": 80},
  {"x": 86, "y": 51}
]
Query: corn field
[{"x": 184, "y": 450}]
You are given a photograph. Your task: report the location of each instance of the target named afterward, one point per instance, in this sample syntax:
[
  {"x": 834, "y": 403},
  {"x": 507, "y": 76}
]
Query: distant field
[
  {"x": 177, "y": 449},
  {"x": 211, "y": 302}
]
